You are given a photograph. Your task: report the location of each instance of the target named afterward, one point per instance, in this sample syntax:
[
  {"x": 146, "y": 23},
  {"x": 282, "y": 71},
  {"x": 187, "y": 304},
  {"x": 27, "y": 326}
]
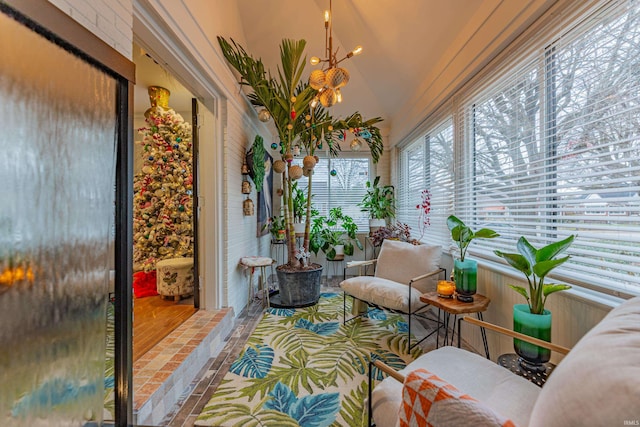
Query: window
[
  {"x": 552, "y": 148},
  {"x": 340, "y": 182},
  {"x": 427, "y": 165}
]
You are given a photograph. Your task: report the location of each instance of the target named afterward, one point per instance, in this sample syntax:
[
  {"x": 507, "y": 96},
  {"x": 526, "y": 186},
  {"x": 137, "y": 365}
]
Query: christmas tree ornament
[
  {"x": 264, "y": 115},
  {"x": 355, "y": 145},
  {"x": 309, "y": 162},
  {"x": 279, "y": 166},
  {"x": 333, "y": 172},
  {"x": 295, "y": 172},
  {"x": 274, "y": 145}
]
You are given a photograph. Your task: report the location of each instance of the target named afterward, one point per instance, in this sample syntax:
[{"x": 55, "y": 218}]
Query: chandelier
[{"x": 328, "y": 80}]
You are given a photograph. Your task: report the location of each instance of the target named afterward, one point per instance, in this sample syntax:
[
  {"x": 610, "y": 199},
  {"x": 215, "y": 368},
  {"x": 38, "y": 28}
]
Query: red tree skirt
[{"x": 144, "y": 284}]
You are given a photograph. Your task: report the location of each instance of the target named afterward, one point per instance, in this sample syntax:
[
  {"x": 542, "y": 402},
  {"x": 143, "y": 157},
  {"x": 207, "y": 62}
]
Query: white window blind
[
  {"x": 345, "y": 188},
  {"x": 427, "y": 164},
  {"x": 552, "y": 147}
]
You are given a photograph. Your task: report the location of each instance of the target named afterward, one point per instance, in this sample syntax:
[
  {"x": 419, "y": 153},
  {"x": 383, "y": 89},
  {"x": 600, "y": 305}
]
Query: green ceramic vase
[
  {"x": 534, "y": 325},
  {"x": 465, "y": 275}
]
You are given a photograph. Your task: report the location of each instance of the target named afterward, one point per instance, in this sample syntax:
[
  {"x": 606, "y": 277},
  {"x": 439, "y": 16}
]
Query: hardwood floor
[{"x": 154, "y": 318}]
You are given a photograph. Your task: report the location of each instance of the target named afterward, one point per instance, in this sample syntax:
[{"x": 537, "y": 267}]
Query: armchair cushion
[
  {"x": 430, "y": 400},
  {"x": 496, "y": 387},
  {"x": 382, "y": 292},
  {"x": 401, "y": 261}
]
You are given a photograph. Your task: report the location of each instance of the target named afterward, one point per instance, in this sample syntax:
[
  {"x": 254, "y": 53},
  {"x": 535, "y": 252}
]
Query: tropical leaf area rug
[{"x": 303, "y": 367}]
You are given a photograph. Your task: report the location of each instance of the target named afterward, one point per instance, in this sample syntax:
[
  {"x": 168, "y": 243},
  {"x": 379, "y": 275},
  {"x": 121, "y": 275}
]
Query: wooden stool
[
  {"x": 258, "y": 261},
  {"x": 174, "y": 278}
]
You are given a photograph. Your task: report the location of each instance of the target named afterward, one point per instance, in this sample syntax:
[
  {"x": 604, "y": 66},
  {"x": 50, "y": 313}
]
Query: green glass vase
[
  {"x": 538, "y": 326},
  {"x": 465, "y": 275}
]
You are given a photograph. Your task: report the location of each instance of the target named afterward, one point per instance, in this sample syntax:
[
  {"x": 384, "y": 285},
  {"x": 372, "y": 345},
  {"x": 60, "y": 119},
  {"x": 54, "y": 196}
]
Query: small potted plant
[
  {"x": 532, "y": 319},
  {"x": 334, "y": 235},
  {"x": 398, "y": 231},
  {"x": 465, "y": 271},
  {"x": 277, "y": 228},
  {"x": 379, "y": 202},
  {"x": 299, "y": 200}
]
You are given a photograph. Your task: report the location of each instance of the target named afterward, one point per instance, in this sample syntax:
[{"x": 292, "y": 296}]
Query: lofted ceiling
[{"x": 415, "y": 51}]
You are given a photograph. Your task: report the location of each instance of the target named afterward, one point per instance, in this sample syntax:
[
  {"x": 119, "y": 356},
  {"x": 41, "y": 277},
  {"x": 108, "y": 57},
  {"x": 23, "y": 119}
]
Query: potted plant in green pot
[
  {"x": 380, "y": 203},
  {"x": 532, "y": 318},
  {"x": 301, "y": 123},
  {"x": 334, "y": 235},
  {"x": 465, "y": 271}
]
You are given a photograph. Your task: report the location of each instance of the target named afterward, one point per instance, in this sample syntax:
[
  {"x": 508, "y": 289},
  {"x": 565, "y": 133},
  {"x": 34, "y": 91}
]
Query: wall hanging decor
[{"x": 247, "y": 207}]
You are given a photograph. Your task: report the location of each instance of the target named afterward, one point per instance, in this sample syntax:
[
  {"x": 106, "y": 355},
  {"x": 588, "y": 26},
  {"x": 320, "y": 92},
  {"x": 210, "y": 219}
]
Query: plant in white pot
[
  {"x": 334, "y": 235},
  {"x": 300, "y": 122},
  {"x": 380, "y": 203},
  {"x": 465, "y": 271},
  {"x": 532, "y": 318}
]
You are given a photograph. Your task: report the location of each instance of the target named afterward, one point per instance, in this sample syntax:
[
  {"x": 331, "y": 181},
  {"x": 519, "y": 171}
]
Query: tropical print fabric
[{"x": 303, "y": 367}]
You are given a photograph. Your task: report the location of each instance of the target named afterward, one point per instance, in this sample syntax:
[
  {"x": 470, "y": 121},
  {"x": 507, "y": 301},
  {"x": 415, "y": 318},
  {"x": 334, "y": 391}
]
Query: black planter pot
[{"x": 299, "y": 288}]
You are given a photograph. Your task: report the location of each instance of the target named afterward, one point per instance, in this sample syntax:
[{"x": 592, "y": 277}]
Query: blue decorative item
[
  {"x": 320, "y": 146},
  {"x": 274, "y": 146},
  {"x": 178, "y": 139},
  {"x": 151, "y": 158},
  {"x": 334, "y": 172}
]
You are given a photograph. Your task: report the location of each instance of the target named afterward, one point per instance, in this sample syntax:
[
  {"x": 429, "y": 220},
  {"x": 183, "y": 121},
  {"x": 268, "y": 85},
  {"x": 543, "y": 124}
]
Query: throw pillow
[{"x": 428, "y": 400}]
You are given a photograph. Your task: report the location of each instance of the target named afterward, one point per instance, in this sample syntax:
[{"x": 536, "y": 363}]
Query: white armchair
[
  {"x": 596, "y": 384},
  {"x": 403, "y": 272}
]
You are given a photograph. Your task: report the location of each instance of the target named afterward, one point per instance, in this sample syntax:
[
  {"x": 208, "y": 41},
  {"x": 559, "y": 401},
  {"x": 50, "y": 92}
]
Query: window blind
[
  {"x": 340, "y": 182},
  {"x": 551, "y": 147},
  {"x": 427, "y": 164}
]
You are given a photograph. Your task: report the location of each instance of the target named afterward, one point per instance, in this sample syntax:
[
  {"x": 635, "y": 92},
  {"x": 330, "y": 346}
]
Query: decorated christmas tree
[{"x": 163, "y": 191}]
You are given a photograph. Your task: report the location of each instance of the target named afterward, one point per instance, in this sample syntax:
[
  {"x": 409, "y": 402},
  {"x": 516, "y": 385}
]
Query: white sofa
[{"x": 596, "y": 384}]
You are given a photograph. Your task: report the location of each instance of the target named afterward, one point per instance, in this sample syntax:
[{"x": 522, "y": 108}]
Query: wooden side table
[{"x": 451, "y": 306}]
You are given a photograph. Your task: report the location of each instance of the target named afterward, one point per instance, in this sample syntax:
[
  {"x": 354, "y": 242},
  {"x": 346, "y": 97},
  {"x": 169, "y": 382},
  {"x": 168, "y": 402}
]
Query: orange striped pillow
[{"x": 430, "y": 401}]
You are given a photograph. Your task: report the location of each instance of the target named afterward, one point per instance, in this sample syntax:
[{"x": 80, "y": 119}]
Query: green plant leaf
[
  {"x": 453, "y": 222},
  {"x": 348, "y": 249},
  {"x": 554, "y": 249},
  {"x": 522, "y": 291},
  {"x": 516, "y": 261},
  {"x": 553, "y": 287},
  {"x": 485, "y": 233},
  {"x": 527, "y": 250},
  {"x": 542, "y": 268}
]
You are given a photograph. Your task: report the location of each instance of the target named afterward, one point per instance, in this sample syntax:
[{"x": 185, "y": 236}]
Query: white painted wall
[{"x": 111, "y": 20}]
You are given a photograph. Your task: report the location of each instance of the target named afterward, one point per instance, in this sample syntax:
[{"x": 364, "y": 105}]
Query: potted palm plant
[
  {"x": 334, "y": 235},
  {"x": 379, "y": 202},
  {"x": 465, "y": 271},
  {"x": 532, "y": 318},
  {"x": 300, "y": 121}
]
